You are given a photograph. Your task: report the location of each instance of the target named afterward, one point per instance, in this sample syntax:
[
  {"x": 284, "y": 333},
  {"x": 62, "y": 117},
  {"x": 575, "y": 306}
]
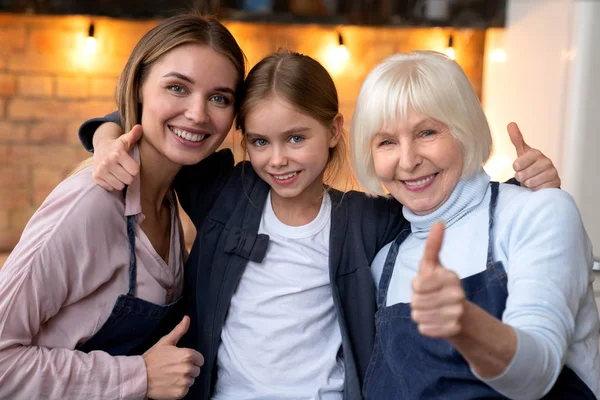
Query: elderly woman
[{"x": 505, "y": 308}]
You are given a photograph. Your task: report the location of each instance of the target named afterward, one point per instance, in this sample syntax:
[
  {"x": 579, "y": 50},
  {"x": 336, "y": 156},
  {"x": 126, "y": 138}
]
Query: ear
[{"x": 337, "y": 129}]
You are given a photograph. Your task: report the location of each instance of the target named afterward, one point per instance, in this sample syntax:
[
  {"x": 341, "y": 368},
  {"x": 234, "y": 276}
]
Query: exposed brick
[
  {"x": 13, "y": 177},
  {"x": 48, "y": 132},
  {"x": 12, "y": 132},
  {"x": 2, "y": 107},
  {"x": 3, "y": 63},
  {"x": 31, "y": 109},
  {"x": 4, "y": 221},
  {"x": 12, "y": 39},
  {"x": 44, "y": 181},
  {"x": 93, "y": 109},
  {"x": 103, "y": 87},
  {"x": 9, "y": 238},
  {"x": 35, "y": 86},
  {"x": 53, "y": 40},
  {"x": 71, "y": 133},
  {"x": 72, "y": 88},
  {"x": 19, "y": 217},
  {"x": 8, "y": 84},
  {"x": 13, "y": 198},
  {"x": 49, "y": 156}
]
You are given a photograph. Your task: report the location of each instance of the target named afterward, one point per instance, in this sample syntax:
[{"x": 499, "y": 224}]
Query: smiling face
[
  {"x": 288, "y": 150},
  {"x": 188, "y": 103},
  {"x": 418, "y": 161}
]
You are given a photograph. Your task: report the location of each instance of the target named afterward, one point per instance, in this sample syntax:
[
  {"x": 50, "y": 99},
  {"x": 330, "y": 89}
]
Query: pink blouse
[{"x": 59, "y": 286}]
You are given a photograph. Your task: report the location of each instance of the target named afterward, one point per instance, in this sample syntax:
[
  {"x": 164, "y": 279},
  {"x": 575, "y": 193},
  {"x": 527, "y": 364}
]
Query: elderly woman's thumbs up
[{"x": 438, "y": 300}]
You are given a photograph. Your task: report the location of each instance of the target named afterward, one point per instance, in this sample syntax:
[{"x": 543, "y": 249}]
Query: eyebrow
[
  {"x": 284, "y": 133},
  {"x": 186, "y": 78}
]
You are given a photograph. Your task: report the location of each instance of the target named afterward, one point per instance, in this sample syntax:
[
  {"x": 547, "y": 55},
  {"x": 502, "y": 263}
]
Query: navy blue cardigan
[{"x": 225, "y": 204}]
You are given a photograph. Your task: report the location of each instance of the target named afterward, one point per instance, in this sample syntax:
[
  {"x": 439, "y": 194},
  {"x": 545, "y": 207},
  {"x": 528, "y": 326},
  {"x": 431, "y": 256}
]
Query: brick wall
[{"x": 48, "y": 86}]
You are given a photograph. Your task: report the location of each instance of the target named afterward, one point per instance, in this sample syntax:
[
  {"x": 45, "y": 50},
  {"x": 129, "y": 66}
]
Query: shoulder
[
  {"x": 74, "y": 210},
  {"x": 546, "y": 204},
  {"x": 368, "y": 203}
]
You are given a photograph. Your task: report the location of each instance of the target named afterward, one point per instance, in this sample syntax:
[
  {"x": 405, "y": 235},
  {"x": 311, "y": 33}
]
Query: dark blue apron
[
  {"x": 407, "y": 365},
  {"x": 134, "y": 324}
]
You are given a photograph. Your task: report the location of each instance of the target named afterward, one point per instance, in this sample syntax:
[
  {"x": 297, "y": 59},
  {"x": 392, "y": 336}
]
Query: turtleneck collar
[{"x": 466, "y": 197}]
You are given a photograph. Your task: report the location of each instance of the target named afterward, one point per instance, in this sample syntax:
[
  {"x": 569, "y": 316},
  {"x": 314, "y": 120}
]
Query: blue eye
[
  {"x": 260, "y": 142},
  {"x": 220, "y": 100},
  {"x": 427, "y": 133},
  {"x": 176, "y": 89},
  {"x": 386, "y": 143},
  {"x": 296, "y": 139}
]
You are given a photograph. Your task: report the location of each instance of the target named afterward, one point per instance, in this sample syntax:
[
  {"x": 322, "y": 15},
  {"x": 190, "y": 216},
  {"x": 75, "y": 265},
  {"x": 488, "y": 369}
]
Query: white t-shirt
[{"x": 281, "y": 338}]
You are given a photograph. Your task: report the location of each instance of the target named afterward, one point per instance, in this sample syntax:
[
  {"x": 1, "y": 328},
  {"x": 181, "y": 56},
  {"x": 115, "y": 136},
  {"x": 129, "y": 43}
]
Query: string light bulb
[
  {"x": 449, "y": 51},
  {"x": 90, "y": 41}
]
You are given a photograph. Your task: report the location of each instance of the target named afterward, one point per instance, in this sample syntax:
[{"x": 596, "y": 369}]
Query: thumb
[
  {"x": 516, "y": 137},
  {"x": 177, "y": 333},
  {"x": 433, "y": 245},
  {"x": 130, "y": 138}
]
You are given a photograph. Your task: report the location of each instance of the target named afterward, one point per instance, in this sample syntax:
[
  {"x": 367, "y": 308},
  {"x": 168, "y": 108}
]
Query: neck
[
  {"x": 467, "y": 195},
  {"x": 156, "y": 177},
  {"x": 302, "y": 209}
]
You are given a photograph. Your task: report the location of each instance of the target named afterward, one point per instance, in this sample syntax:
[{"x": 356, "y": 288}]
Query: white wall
[{"x": 550, "y": 85}]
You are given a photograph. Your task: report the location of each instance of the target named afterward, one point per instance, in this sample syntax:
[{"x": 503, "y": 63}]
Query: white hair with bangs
[{"x": 426, "y": 83}]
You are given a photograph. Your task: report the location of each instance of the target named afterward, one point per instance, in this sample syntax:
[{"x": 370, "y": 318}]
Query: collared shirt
[{"x": 60, "y": 283}]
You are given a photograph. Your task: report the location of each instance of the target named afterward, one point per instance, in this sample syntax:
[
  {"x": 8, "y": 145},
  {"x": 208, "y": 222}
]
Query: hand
[
  {"x": 532, "y": 168},
  {"x": 113, "y": 166},
  {"x": 438, "y": 300},
  {"x": 172, "y": 370}
]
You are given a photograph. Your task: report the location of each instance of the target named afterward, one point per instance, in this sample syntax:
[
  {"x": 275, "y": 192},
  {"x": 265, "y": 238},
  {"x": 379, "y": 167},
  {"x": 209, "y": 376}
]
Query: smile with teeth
[
  {"x": 192, "y": 137},
  {"x": 286, "y": 176},
  {"x": 420, "y": 182}
]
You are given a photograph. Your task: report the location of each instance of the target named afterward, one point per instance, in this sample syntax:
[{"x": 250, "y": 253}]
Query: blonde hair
[
  {"x": 429, "y": 84},
  {"x": 307, "y": 86}
]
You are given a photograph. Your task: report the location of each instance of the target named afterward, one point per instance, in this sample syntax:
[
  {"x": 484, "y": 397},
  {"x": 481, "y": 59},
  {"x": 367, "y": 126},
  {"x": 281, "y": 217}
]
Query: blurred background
[{"x": 534, "y": 62}]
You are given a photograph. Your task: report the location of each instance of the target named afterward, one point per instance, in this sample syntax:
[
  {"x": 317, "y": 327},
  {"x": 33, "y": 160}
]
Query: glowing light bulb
[
  {"x": 90, "y": 41},
  {"x": 449, "y": 51},
  {"x": 337, "y": 56}
]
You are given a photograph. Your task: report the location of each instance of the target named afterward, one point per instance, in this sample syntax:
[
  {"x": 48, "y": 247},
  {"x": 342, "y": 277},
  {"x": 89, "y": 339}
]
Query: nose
[
  {"x": 278, "y": 158},
  {"x": 409, "y": 157},
  {"x": 197, "y": 111}
]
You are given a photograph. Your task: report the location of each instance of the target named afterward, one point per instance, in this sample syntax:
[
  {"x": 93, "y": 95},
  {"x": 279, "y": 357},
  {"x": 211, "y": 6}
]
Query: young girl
[
  {"x": 279, "y": 277},
  {"x": 96, "y": 275}
]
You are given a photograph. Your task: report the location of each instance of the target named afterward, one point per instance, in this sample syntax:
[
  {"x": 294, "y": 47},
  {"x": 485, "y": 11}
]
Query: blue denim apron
[
  {"x": 134, "y": 324},
  {"x": 407, "y": 365}
]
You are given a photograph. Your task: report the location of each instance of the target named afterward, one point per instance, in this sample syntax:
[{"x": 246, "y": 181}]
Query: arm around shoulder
[{"x": 549, "y": 273}]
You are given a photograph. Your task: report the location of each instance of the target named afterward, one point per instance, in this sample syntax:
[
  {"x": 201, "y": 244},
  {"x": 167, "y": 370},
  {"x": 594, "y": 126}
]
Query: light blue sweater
[{"x": 540, "y": 239}]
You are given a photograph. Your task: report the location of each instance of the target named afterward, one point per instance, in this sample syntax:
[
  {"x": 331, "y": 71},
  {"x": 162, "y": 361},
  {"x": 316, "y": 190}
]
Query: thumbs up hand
[
  {"x": 438, "y": 300},
  {"x": 113, "y": 166},
  {"x": 171, "y": 370},
  {"x": 532, "y": 168}
]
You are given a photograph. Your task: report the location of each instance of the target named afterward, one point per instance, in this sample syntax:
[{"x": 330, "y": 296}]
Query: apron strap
[
  {"x": 388, "y": 267},
  {"x": 131, "y": 243},
  {"x": 492, "y": 210}
]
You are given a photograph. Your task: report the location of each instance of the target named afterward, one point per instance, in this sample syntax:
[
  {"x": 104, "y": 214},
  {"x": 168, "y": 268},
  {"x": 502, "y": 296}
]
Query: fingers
[
  {"x": 531, "y": 163},
  {"x": 177, "y": 333},
  {"x": 516, "y": 137},
  {"x": 431, "y": 259},
  {"x": 130, "y": 138},
  {"x": 546, "y": 179}
]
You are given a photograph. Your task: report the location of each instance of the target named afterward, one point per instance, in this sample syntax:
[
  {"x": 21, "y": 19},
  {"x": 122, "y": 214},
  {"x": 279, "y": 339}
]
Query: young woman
[
  {"x": 279, "y": 276},
  {"x": 96, "y": 276},
  {"x": 514, "y": 315}
]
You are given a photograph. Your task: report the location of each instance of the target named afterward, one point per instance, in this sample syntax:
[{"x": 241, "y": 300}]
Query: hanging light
[
  {"x": 337, "y": 56},
  {"x": 90, "y": 41},
  {"x": 449, "y": 51}
]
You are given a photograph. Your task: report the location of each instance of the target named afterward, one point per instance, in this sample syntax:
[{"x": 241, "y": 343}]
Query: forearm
[
  {"x": 31, "y": 372},
  {"x": 106, "y": 133},
  {"x": 486, "y": 343}
]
